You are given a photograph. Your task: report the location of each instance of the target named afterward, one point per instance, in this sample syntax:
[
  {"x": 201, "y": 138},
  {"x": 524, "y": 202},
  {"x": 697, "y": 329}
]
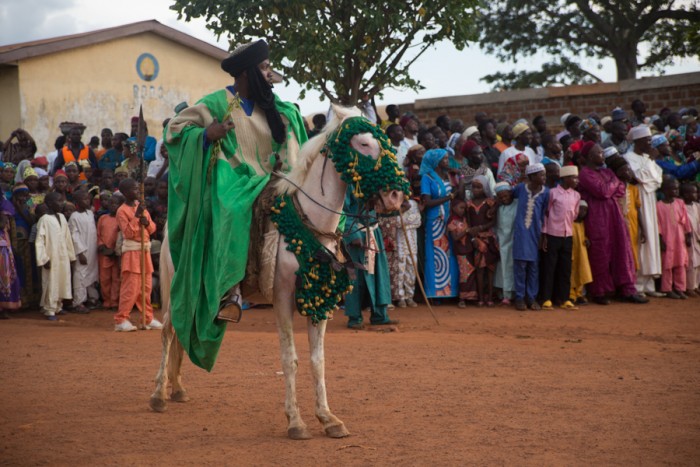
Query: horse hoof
[
  {"x": 179, "y": 396},
  {"x": 298, "y": 433},
  {"x": 337, "y": 431},
  {"x": 157, "y": 404}
]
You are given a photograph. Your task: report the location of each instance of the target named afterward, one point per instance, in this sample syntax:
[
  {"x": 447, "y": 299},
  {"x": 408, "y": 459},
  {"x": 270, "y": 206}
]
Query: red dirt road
[{"x": 599, "y": 386}]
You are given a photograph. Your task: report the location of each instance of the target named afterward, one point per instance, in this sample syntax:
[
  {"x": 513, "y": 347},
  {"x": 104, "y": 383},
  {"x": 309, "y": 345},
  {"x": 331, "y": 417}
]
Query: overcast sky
[{"x": 443, "y": 70}]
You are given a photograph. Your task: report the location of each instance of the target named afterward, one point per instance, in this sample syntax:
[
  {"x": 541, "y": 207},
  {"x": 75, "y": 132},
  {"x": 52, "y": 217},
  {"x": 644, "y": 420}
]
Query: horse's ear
[{"x": 341, "y": 113}]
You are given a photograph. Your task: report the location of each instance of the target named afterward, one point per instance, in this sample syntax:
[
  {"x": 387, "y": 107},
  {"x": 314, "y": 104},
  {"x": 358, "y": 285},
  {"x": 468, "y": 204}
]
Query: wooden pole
[
  {"x": 142, "y": 229},
  {"x": 415, "y": 270}
]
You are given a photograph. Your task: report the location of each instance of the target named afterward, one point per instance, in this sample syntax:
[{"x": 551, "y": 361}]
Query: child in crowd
[
  {"x": 631, "y": 204},
  {"x": 551, "y": 168},
  {"x": 54, "y": 254},
  {"x": 407, "y": 245},
  {"x": 514, "y": 169},
  {"x": 31, "y": 180},
  {"x": 557, "y": 241},
  {"x": 505, "y": 223},
  {"x": 9, "y": 279},
  {"x": 85, "y": 269},
  {"x": 675, "y": 236},
  {"x": 481, "y": 217},
  {"x": 68, "y": 209},
  {"x": 580, "y": 268},
  {"x": 121, "y": 173},
  {"x": 60, "y": 185},
  {"x": 689, "y": 191},
  {"x": 158, "y": 209},
  {"x": 463, "y": 251},
  {"x": 412, "y": 163},
  {"x": 74, "y": 180},
  {"x": 532, "y": 198},
  {"x": 131, "y": 216},
  {"x": 107, "y": 232}
]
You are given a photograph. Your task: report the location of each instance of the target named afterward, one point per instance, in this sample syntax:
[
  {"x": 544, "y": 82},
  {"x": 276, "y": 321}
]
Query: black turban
[{"x": 246, "y": 56}]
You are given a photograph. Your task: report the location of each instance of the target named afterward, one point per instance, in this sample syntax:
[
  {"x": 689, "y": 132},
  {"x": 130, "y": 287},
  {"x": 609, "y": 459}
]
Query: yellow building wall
[
  {"x": 9, "y": 101},
  {"x": 100, "y": 87}
]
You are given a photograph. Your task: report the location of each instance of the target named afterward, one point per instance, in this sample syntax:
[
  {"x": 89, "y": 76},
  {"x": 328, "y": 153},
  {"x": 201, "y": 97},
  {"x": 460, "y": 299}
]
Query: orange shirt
[
  {"x": 107, "y": 232},
  {"x": 130, "y": 227}
]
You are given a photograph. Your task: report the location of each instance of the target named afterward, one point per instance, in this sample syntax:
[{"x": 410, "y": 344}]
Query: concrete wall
[
  {"x": 9, "y": 101},
  {"x": 673, "y": 91},
  {"x": 99, "y": 86}
]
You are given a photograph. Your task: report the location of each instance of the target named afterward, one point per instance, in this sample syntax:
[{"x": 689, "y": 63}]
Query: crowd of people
[
  {"x": 499, "y": 212},
  {"x": 72, "y": 224},
  {"x": 522, "y": 215}
]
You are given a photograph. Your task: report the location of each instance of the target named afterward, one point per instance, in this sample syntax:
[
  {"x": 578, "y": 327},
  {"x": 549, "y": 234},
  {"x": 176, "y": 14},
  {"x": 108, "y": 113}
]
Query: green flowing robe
[
  {"x": 370, "y": 289},
  {"x": 209, "y": 216}
]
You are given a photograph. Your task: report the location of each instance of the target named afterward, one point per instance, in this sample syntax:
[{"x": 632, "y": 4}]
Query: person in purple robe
[
  {"x": 9, "y": 280},
  {"x": 610, "y": 251}
]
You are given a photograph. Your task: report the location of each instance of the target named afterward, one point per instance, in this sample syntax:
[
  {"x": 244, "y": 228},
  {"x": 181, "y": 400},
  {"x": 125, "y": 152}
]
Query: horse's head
[{"x": 365, "y": 159}]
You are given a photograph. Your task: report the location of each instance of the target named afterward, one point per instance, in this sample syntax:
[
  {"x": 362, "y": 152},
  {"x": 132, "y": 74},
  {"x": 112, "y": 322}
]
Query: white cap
[
  {"x": 639, "y": 132},
  {"x": 609, "y": 152},
  {"x": 534, "y": 168},
  {"x": 564, "y": 117},
  {"x": 469, "y": 131}
]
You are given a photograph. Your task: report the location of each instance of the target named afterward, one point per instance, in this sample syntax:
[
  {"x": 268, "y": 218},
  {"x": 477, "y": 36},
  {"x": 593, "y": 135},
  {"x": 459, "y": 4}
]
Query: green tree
[
  {"x": 344, "y": 49},
  {"x": 617, "y": 29}
]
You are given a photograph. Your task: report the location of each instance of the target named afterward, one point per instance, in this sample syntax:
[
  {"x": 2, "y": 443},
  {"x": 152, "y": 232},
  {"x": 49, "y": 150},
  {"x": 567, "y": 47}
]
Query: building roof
[{"x": 12, "y": 53}]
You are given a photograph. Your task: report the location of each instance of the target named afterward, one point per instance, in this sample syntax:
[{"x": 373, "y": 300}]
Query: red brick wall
[{"x": 675, "y": 92}]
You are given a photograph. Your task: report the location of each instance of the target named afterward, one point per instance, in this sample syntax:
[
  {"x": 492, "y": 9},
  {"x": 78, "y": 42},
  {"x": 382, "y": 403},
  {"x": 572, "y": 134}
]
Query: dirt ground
[{"x": 598, "y": 386}]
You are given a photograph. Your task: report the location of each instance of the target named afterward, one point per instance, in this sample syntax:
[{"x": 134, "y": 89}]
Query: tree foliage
[
  {"x": 344, "y": 49},
  {"x": 618, "y": 29}
]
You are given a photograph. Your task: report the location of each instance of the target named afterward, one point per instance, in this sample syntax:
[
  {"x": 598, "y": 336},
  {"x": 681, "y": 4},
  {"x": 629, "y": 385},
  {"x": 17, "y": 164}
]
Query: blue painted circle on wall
[{"x": 147, "y": 67}]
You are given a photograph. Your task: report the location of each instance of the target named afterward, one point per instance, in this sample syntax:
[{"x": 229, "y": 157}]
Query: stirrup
[{"x": 229, "y": 309}]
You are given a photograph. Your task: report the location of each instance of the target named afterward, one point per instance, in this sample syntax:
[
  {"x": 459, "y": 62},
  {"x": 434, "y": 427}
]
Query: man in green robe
[
  {"x": 222, "y": 151},
  {"x": 372, "y": 287}
]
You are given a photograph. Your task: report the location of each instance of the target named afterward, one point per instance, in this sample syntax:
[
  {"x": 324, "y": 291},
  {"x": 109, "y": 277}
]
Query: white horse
[{"x": 328, "y": 190}]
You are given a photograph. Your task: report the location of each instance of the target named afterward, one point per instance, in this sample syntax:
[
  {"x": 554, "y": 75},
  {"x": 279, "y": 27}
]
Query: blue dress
[{"x": 441, "y": 269}]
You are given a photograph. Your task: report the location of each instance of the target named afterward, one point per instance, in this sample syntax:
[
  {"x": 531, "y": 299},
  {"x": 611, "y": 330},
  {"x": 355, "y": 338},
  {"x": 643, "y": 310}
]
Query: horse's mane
[{"x": 310, "y": 151}]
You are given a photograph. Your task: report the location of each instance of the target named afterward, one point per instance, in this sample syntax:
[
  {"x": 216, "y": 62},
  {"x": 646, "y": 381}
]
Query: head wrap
[
  {"x": 468, "y": 147},
  {"x": 568, "y": 171},
  {"x": 40, "y": 161},
  {"x": 246, "y": 56},
  {"x": 59, "y": 173},
  {"x": 131, "y": 143},
  {"x": 135, "y": 119},
  {"x": 639, "y": 132},
  {"x": 405, "y": 119},
  {"x": 658, "y": 140},
  {"x": 610, "y": 151},
  {"x": 582, "y": 203},
  {"x": 689, "y": 118},
  {"x": 586, "y": 148},
  {"x": 502, "y": 186},
  {"x": 587, "y": 124},
  {"x": 9, "y": 165},
  {"x": 71, "y": 164},
  {"x": 21, "y": 167},
  {"x": 122, "y": 169},
  {"x": 534, "y": 168},
  {"x": 431, "y": 159},
  {"x": 519, "y": 129},
  {"x": 484, "y": 183},
  {"x": 564, "y": 118},
  {"x": 469, "y": 131},
  {"x": 618, "y": 115},
  {"x": 84, "y": 163},
  {"x": 547, "y": 161},
  {"x": 605, "y": 120},
  {"x": 29, "y": 172},
  {"x": 20, "y": 187},
  {"x": 615, "y": 162},
  {"x": 41, "y": 172}
]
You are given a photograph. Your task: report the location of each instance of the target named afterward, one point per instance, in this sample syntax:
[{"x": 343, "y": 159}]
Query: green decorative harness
[{"x": 321, "y": 283}]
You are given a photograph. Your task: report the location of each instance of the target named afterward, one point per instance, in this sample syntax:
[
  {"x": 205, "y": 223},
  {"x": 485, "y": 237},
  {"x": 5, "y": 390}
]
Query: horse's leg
[
  {"x": 179, "y": 393},
  {"x": 333, "y": 426},
  {"x": 158, "y": 397}
]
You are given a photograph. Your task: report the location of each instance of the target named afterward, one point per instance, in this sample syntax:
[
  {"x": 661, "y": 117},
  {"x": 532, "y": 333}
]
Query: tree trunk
[{"x": 626, "y": 61}]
